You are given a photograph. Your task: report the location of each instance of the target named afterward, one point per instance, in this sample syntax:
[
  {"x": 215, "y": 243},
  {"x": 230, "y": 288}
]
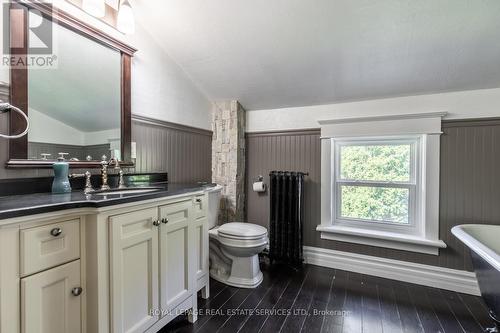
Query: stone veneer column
[{"x": 228, "y": 158}]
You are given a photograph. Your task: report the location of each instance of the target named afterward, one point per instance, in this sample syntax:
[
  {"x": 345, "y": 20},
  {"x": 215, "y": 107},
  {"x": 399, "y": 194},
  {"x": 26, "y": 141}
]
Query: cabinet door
[
  {"x": 48, "y": 302},
  {"x": 200, "y": 231},
  {"x": 134, "y": 270},
  {"x": 176, "y": 254}
]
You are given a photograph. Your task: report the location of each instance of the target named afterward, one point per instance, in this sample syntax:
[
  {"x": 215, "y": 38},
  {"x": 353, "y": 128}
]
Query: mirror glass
[{"x": 74, "y": 107}]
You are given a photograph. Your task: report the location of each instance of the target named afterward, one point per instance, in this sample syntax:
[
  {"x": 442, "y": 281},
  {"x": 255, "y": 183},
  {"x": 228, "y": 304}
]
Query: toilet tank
[{"x": 214, "y": 195}]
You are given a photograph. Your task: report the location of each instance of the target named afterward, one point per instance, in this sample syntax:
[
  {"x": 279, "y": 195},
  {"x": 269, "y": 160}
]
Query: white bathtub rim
[{"x": 476, "y": 245}]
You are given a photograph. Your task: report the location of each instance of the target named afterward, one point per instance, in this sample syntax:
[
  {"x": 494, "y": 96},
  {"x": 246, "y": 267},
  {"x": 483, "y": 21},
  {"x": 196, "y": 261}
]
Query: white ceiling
[{"x": 281, "y": 53}]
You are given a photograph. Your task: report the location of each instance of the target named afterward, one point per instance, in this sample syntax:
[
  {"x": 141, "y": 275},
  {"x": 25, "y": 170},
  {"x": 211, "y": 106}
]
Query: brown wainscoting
[
  {"x": 35, "y": 149},
  {"x": 470, "y": 185},
  {"x": 289, "y": 150},
  {"x": 184, "y": 152}
]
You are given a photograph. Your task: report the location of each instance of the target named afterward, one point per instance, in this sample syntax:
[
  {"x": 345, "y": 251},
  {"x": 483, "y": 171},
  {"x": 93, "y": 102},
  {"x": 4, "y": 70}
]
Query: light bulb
[
  {"x": 126, "y": 22},
  {"x": 96, "y": 8}
]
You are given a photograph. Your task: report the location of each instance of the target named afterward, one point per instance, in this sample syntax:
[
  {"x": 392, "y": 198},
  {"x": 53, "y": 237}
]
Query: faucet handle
[
  {"x": 76, "y": 175},
  {"x": 62, "y": 156},
  {"x": 88, "y": 183},
  {"x": 121, "y": 183}
]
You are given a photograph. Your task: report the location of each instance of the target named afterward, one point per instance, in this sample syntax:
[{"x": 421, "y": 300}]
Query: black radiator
[{"x": 287, "y": 205}]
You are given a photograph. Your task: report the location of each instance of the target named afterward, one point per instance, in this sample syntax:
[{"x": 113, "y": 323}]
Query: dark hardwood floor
[{"x": 319, "y": 299}]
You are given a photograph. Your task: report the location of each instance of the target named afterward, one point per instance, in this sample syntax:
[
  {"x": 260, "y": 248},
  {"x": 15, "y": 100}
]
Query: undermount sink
[{"x": 118, "y": 191}]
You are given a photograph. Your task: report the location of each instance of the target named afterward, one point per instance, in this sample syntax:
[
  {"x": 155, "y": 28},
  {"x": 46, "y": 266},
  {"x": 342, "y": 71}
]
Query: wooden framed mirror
[{"x": 83, "y": 106}]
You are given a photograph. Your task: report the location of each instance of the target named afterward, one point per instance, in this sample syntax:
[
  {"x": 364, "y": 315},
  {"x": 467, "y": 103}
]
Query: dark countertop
[{"x": 37, "y": 203}]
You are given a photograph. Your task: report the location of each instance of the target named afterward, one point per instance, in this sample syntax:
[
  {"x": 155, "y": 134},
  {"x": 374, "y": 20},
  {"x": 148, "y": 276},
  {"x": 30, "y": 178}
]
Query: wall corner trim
[{"x": 427, "y": 275}]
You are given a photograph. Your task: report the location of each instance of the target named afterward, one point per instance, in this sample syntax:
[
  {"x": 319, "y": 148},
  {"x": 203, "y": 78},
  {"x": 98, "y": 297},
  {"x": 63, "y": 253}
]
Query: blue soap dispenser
[{"x": 61, "y": 182}]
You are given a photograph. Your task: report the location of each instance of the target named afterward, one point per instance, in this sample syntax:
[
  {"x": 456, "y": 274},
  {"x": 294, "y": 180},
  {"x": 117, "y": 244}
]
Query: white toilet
[{"x": 234, "y": 247}]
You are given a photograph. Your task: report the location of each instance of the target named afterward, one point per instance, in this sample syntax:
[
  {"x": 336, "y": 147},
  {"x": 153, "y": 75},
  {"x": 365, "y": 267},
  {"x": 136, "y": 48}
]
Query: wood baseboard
[{"x": 431, "y": 276}]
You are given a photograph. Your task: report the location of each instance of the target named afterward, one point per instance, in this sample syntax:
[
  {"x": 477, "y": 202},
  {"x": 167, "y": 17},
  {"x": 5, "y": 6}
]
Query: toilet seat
[
  {"x": 242, "y": 243},
  {"x": 240, "y": 235},
  {"x": 238, "y": 230}
]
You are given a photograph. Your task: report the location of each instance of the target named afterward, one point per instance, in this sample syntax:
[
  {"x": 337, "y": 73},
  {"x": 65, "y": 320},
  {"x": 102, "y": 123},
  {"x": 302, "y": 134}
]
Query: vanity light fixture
[
  {"x": 96, "y": 8},
  {"x": 125, "y": 21}
]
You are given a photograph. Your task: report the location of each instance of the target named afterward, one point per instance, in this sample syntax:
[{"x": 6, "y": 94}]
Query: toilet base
[
  {"x": 238, "y": 282},
  {"x": 241, "y": 272}
]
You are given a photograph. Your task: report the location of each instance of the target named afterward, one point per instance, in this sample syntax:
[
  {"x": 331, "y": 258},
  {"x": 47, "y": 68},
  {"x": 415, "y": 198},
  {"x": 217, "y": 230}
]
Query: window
[
  {"x": 380, "y": 181},
  {"x": 376, "y": 181}
]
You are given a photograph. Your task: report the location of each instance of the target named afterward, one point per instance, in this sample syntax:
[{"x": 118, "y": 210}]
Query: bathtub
[{"x": 484, "y": 244}]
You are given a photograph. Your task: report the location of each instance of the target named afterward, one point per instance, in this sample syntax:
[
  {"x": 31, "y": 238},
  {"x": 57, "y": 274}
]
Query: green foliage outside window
[{"x": 375, "y": 163}]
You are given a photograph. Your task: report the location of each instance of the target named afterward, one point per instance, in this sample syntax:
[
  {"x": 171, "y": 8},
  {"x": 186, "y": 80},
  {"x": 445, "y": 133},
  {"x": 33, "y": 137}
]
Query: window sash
[
  {"x": 411, "y": 184},
  {"x": 411, "y": 141},
  {"x": 412, "y": 189}
]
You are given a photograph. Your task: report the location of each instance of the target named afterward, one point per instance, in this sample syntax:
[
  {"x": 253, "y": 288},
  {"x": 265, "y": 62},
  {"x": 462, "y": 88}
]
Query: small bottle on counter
[{"x": 61, "y": 183}]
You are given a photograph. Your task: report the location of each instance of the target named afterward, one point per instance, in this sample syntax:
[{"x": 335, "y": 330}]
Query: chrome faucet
[{"x": 104, "y": 172}]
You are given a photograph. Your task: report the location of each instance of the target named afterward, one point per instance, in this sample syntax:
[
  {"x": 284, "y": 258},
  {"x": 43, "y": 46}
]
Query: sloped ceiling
[{"x": 282, "y": 53}]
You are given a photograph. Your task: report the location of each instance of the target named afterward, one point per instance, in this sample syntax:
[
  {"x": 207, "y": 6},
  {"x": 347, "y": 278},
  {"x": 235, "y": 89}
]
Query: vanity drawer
[
  {"x": 49, "y": 245},
  {"x": 200, "y": 206}
]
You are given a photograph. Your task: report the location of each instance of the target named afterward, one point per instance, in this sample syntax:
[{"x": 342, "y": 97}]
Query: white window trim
[{"x": 421, "y": 236}]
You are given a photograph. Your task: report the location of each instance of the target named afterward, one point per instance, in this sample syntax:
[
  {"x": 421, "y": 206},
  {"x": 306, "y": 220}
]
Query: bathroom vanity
[{"x": 102, "y": 263}]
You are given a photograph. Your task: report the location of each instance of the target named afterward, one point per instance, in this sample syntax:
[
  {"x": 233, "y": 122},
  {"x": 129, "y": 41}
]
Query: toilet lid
[{"x": 242, "y": 230}]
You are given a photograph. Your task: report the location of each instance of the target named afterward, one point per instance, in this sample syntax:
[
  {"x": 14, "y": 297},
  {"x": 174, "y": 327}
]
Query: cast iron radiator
[{"x": 287, "y": 214}]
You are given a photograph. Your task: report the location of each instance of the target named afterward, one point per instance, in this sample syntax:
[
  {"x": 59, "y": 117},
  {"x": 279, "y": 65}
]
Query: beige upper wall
[
  {"x": 471, "y": 104},
  {"x": 160, "y": 88}
]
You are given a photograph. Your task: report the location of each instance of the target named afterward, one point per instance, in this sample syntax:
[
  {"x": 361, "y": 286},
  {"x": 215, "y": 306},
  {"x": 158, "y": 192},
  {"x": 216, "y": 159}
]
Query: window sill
[{"x": 381, "y": 239}]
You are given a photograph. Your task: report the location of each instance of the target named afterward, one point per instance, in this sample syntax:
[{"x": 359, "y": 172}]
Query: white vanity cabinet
[
  {"x": 134, "y": 270},
  {"x": 50, "y": 301},
  {"x": 42, "y": 289},
  {"x": 152, "y": 265},
  {"x": 201, "y": 246},
  {"x": 125, "y": 268},
  {"x": 176, "y": 254}
]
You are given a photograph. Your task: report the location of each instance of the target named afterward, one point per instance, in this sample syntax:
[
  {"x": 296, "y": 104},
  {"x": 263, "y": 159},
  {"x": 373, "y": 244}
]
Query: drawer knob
[
  {"x": 164, "y": 220},
  {"x": 198, "y": 200},
  {"x": 77, "y": 291},
  {"x": 156, "y": 223},
  {"x": 56, "y": 232}
]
